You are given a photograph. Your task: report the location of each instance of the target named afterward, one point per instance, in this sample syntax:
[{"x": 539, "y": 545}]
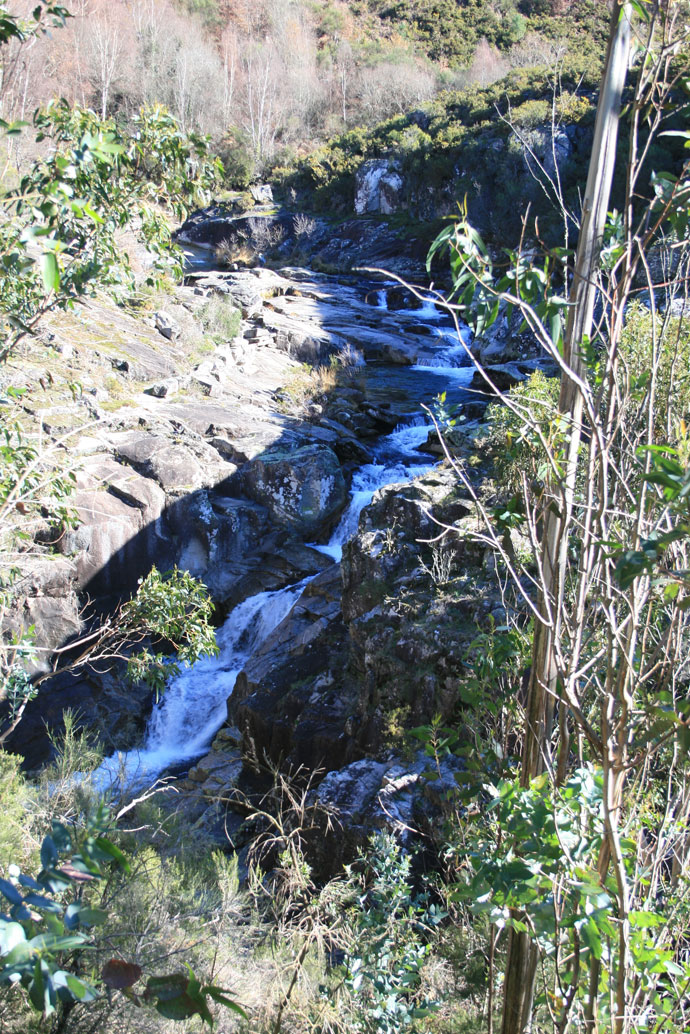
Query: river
[{"x": 194, "y": 705}]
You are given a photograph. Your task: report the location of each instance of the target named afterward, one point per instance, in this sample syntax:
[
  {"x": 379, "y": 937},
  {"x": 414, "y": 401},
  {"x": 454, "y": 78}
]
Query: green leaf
[
  {"x": 179, "y": 1008},
  {"x": 642, "y": 920},
  {"x": 169, "y": 986},
  {"x": 218, "y": 995},
  {"x": 9, "y": 891},
  {"x": 92, "y": 916},
  {"x": 11, "y": 935},
  {"x": 50, "y": 271},
  {"x": 49, "y": 855},
  {"x": 109, "y": 849}
]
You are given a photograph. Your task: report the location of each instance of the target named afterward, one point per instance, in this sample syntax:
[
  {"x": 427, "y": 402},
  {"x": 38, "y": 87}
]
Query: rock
[
  {"x": 118, "y": 535},
  {"x": 503, "y": 377},
  {"x": 167, "y": 326},
  {"x": 262, "y": 193},
  {"x": 546, "y": 147},
  {"x": 178, "y": 469},
  {"x": 161, "y": 389},
  {"x": 105, "y": 704},
  {"x": 207, "y": 384},
  {"x": 369, "y": 795},
  {"x": 286, "y": 705},
  {"x": 378, "y": 187},
  {"x": 303, "y": 489},
  {"x": 44, "y": 598}
]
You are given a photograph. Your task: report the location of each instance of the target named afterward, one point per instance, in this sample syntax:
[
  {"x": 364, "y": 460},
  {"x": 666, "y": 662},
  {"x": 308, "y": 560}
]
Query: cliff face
[{"x": 495, "y": 149}]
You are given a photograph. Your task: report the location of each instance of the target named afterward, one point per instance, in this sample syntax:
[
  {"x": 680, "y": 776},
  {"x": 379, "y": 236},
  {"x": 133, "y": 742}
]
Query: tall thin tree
[{"x": 543, "y": 686}]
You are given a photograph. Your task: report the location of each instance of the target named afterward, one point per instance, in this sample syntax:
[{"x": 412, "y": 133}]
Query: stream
[{"x": 194, "y": 706}]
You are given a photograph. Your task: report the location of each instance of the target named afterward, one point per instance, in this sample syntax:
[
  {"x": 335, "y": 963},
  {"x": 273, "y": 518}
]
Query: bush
[
  {"x": 220, "y": 319},
  {"x": 517, "y": 450},
  {"x": 236, "y": 155}
]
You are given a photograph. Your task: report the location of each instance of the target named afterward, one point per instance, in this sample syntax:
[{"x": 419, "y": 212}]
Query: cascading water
[
  {"x": 194, "y": 705},
  {"x": 372, "y": 476}
]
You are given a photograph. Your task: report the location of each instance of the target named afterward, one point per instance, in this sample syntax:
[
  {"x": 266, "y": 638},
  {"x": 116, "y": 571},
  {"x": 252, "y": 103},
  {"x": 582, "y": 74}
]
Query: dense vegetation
[
  {"x": 450, "y": 31},
  {"x": 273, "y": 78},
  {"x": 565, "y": 843}
]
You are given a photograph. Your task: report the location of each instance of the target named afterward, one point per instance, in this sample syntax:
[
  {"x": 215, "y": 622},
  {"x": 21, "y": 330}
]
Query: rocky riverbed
[{"x": 204, "y": 442}]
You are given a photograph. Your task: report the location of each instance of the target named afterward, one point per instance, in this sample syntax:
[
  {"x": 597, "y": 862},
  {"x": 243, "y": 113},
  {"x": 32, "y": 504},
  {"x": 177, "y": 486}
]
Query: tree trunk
[{"x": 521, "y": 966}]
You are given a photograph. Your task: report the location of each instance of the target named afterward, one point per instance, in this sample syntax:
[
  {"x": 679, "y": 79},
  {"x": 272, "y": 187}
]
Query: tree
[
  {"x": 558, "y": 521},
  {"x": 607, "y": 521}
]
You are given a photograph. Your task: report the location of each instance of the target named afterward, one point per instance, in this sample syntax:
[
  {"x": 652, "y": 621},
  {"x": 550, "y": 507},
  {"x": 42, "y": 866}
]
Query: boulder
[
  {"x": 503, "y": 377},
  {"x": 167, "y": 326},
  {"x": 44, "y": 598},
  {"x": 161, "y": 389},
  {"x": 303, "y": 489},
  {"x": 369, "y": 795},
  {"x": 177, "y": 468},
  {"x": 289, "y": 701},
  {"x": 118, "y": 534},
  {"x": 262, "y": 193}
]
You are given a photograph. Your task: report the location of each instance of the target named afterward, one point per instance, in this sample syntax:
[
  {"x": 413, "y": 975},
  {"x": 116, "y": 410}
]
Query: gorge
[{"x": 236, "y": 492}]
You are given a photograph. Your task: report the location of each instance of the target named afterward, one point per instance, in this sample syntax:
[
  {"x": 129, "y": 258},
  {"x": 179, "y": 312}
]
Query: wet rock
[
  {"x": 289, "y": 701},
  {"x": 303, "y": 489}
]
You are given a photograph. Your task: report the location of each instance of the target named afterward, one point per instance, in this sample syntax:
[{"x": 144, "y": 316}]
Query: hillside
[
  {"x": 449, "y": 31},
  {"x": 272, "y": 80}
]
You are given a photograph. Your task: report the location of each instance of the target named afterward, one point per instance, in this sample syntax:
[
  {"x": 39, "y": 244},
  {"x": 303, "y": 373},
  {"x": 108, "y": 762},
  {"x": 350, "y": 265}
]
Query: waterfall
[{"x": 194, "y": 705}]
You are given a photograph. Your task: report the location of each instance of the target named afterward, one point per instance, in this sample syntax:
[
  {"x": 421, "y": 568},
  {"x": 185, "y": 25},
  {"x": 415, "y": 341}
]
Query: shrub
[
  {"x": 220, "y": 319},
  {"x": 516, "y": 449},
  {"x": 391, "y": 927}
]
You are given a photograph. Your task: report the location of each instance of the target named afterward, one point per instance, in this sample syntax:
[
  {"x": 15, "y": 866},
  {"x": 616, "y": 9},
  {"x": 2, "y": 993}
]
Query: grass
[{"x": 219, "y": 319}]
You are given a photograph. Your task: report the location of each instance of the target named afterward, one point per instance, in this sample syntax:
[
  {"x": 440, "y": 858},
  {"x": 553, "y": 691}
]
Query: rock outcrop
[
  {"x": 303, "y": 489},
  {"x": 378, "y": 187}
]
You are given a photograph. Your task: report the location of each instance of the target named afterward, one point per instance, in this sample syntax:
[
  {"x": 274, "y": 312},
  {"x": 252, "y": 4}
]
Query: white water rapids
[{"x": 194, "y": 706}]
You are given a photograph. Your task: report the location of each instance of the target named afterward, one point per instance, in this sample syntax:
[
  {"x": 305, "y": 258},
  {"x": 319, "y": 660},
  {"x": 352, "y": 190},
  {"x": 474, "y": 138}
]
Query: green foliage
[
  {"x": 392, "y": 926},
  {"x": 237, "y": 156},
  {"x": 457, "y": 144},
  {"x": 648, "y": 342},
  {"x": 670, "y": 505},
  {"x": 30, "y": 485},
  {"x": 59, "y": 240},
  {"x": 516, "y": 444},
  {"x": 532, "y": 867},
  {"x": 13, "y": 800},
  {"x": 449, "y": 30},
  {"x": 173, "y": 608},
  {"x": 50, "y": 917},
  {"x": 220, "y": 319},
  {"x": 51, "y": 926},
  {"x": 208, "y": 11},
  {"x": 43, "y": 16}
]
